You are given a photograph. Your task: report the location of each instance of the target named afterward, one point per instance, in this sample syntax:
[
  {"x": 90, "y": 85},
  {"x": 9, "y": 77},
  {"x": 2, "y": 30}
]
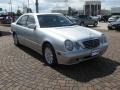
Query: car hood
[{"x": 75, "y": 32}]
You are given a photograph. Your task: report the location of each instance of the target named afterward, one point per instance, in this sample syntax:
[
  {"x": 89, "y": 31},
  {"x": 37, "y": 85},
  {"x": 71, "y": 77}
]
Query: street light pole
[
  {"x": 37, "y": 6},
  {"x": 28, "y": 7},
  {"x": 66, "y": 4}
]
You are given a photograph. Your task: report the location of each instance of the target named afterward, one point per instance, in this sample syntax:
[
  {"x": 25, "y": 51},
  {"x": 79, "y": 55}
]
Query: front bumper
[
  {"x": 111, "y": 27},
  {"x": 74, "y": 57}
]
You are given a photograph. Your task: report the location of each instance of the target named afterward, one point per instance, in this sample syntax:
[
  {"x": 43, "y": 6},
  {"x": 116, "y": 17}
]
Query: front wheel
[
  {"x": 49, "y": 55},
  {"x": 95, "y": 24}
]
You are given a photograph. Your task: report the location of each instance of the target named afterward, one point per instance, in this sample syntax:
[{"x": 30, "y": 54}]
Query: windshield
[
  {"x": 53, "y": 21},
  {"x": 113, "y": 16}
]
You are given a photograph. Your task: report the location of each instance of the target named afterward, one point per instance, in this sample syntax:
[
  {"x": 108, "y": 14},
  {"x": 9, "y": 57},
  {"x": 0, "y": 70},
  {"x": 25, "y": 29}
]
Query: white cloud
[{"x": 47, "y": 5}]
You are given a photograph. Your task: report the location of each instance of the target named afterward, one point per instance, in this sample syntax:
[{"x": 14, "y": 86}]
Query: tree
[
  {"x": 69, "y": 11},
  {"x": 19, "y": 12},
  {"x": 29, "y": 10},
  {"x": 72, "y": 11}
]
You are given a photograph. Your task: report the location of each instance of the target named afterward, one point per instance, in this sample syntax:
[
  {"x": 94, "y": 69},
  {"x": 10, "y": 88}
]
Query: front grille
[{"x": 90, "y": 44}]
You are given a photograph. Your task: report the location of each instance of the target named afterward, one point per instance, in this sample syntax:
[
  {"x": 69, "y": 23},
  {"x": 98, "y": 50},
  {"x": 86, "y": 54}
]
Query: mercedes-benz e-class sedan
[{"x": 58, "y": 39}]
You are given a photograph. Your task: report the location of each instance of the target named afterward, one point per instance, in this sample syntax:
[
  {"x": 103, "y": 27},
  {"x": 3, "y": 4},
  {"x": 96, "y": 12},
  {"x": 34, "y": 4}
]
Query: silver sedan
[{"x": 58, "y": 39}]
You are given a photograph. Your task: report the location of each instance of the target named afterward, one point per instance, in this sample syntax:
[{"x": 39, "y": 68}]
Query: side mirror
[{"x": 32, "y": 26}]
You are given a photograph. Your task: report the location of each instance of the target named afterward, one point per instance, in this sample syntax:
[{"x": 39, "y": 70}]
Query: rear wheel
[
  {"x": 113, "y": 27},
  {"x": 15, "y": 38},
  {"x": 82, "y": 24},
  {"x": 49, "y": 55}
]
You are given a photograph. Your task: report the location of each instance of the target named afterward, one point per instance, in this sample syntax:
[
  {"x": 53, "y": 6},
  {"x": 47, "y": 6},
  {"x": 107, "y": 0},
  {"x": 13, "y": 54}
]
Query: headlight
[
  {"x": 103, "y": 39},
  {"x": 69, "y": 45}
]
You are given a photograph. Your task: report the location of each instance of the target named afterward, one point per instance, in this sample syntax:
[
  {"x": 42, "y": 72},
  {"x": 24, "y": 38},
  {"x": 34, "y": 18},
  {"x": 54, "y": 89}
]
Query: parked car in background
[
  {"x": 114, "y": 25},
  {"x": 1, "y": 18},
  {"x": 74, "y": 20},
  {"x": 97, "y": 18},
  {"x": 58, "y": 39},
  {"x": 105, "y": 18},
  {"x": 85, "y": 20},
  {"x": 113, "y": 18}
]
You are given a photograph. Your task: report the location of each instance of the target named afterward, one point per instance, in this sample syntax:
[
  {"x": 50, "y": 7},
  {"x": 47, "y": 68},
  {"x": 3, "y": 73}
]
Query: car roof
[{"x": 42, "y": 14}]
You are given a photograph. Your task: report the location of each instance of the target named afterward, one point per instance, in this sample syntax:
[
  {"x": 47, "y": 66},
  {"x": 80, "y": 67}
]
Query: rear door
[{"x": 21, "y": 27}]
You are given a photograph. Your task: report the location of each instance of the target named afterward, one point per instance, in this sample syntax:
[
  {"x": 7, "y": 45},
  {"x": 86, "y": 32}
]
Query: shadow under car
[{"x": 84, "y": 71}]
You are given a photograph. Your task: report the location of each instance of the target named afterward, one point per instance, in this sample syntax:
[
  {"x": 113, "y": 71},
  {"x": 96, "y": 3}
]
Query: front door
[{"x": 31, "y": 34}]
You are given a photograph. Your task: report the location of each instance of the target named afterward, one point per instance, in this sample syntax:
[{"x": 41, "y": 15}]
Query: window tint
[
  {"x": 22, "y": 21},
  {"x": 53, "y": 21},
  {"x": 19, "y": 21},
  {"x": 82, "y": 16},
  {"x": 31, "y": 20},
  {"x": 118, "y": 20},
  {"x": 88, "y": 17}
]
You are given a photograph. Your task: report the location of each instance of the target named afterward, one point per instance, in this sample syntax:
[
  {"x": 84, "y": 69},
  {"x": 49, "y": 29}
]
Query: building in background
[
  {"x": 92, "y": 8},
  {"x": 115, "y": 11},
  {"x": 105, "y": 12}
]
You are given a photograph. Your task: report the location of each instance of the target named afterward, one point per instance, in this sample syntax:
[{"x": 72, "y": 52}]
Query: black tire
[
  {"x": 95, "y": 24},
  {"x": 15, "y": 38},
  {"x": 54, "y": 61},
  {"x": 110, "y": 28},
  {"x": 82, "y": 24},
  {"x": 0, "y": 33},
  {"x": 118, "y": 29}
]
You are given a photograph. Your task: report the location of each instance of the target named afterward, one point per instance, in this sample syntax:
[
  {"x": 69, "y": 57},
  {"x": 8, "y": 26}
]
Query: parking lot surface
[
  {"x": 101, "y": 26},
  {"x": 23, "y": 69}
]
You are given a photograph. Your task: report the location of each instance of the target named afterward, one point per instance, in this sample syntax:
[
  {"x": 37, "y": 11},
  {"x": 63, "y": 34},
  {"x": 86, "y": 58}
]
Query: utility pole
[
  {"x": 28, "y": 7},
  {"x": 28, "y": 4},
  {"x": 11, "y": 5},
  {"x": 11, "y": 14},
  {"x": 37, "y": 6},
  {"x": 66, "y": 5}
]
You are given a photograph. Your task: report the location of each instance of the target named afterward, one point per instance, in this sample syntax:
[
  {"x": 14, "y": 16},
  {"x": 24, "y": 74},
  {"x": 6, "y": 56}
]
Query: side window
[
  {"x": 88, "y": 17},
  {"x": 31, "y": 20},
  {"x": 19, "y": 21},
  {"x": 22, "y": 21}
]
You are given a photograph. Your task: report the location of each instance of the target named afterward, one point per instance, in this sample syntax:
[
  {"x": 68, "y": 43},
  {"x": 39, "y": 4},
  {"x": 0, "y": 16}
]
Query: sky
[{"x": 48, "y": 5}]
